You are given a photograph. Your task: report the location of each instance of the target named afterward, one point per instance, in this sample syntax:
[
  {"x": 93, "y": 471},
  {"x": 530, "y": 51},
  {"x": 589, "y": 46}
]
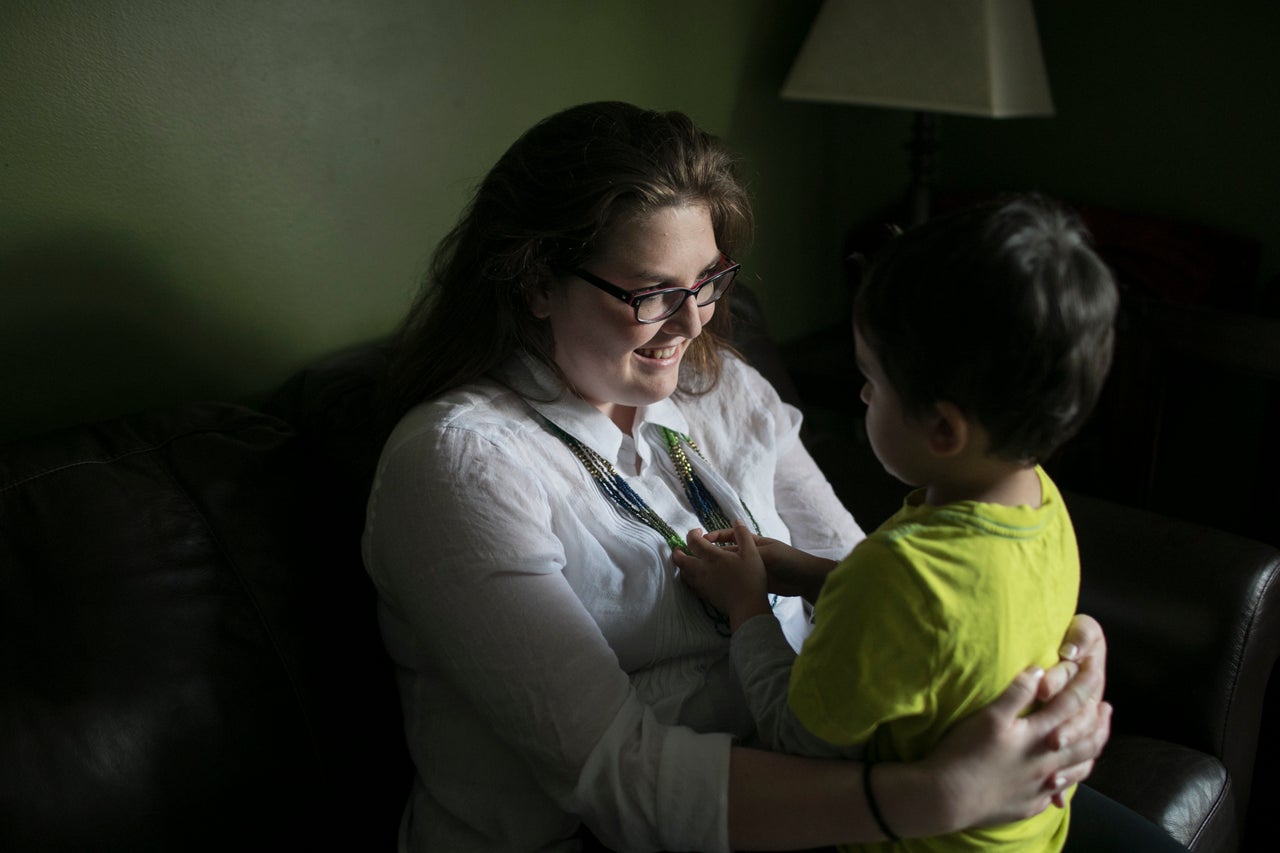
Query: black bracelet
[{"x": 871, "y": 802}]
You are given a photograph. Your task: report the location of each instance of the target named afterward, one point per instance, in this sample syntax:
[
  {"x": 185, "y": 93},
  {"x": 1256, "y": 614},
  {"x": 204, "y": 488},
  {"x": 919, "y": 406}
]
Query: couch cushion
[{"x": 183, "y": 668}]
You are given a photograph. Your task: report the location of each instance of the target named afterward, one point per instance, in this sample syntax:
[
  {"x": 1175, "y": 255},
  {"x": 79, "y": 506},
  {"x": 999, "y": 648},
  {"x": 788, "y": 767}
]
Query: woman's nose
[{"x": 689, "y": 319}]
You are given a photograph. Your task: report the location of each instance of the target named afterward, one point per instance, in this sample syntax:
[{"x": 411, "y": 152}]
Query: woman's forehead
[{"x": 664, "y": 240}]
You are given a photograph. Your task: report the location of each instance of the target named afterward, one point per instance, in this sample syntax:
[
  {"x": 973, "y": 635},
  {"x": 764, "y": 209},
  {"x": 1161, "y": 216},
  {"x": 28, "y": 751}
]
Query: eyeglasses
[{"x": 655, "y": 304}]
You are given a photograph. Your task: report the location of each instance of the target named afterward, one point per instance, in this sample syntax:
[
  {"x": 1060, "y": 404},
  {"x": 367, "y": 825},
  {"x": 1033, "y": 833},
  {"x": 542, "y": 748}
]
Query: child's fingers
[
  {"x": 697, "y": 541},
  {"x": 745, "y": 540}
]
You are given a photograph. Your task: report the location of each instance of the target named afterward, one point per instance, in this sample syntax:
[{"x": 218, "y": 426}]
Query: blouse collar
[{"x": 542, "y": 390}]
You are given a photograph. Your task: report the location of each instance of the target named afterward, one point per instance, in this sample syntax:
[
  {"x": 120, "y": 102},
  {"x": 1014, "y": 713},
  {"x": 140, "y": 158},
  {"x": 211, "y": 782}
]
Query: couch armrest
[
  {"x": 1192, "y": 628},
  {"x": 1185, "y": 791}
]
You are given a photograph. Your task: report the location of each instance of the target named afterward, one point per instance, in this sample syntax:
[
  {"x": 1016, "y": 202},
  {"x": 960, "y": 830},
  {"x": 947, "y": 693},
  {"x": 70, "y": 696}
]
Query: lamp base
[{"x": 923, "y": 149}]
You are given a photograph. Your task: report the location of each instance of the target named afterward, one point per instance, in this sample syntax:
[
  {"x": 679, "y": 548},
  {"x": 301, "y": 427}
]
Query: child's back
[
  {"x": 927, "y": 621},
  {"x": 984, "y": 338}
]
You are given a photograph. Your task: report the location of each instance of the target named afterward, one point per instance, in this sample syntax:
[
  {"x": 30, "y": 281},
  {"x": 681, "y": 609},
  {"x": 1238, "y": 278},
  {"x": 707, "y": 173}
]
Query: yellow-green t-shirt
[{"x": 929, "y": 619}]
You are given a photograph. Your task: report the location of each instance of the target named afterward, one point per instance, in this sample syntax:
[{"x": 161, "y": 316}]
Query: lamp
[{"x": 969, "y": 57}]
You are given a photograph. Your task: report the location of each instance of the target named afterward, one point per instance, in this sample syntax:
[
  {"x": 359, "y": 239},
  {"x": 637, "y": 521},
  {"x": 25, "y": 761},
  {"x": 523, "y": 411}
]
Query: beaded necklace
[{"x": 617, "y": 490}]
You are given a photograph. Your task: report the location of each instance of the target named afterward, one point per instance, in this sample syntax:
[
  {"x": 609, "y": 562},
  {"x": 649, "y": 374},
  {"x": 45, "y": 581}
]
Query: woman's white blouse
[{"x": 552, "y": 667}]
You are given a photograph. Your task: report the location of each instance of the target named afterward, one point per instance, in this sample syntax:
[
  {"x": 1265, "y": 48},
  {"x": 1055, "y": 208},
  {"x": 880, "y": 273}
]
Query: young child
[{"x": 984, "y": 338}]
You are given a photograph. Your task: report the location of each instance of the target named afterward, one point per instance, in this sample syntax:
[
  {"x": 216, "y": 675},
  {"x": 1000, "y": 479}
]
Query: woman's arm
[
  {"x": 819, "y": 523},
  {"x": 763, "y": 659},
  {"x": 1000, "y": 767},
  {"x": 515, "y": 671},
  {"x": 992, "y": 768}
]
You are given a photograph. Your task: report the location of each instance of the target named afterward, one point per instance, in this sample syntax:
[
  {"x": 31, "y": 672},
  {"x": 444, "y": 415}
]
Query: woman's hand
[
  {"x": 1084, "y": 641},
  {"x": 1084, "y": 645},
  {"x": 996, "y": 766}
]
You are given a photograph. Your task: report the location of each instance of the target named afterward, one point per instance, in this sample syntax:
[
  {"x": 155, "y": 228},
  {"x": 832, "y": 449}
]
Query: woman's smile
[
  {"x": 611, "y": 360},
  {"x": 667, "y": 355}
]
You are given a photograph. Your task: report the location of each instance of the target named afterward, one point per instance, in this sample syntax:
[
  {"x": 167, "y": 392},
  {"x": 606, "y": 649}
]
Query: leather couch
[{"x": 190, "y": 657}]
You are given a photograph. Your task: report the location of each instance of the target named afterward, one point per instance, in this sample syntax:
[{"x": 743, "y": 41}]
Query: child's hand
[
  {"x": 732, "y": 579},
  {"x": 791, "y": 571}
]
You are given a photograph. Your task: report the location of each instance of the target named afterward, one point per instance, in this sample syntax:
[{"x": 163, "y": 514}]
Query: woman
[{"x": 565, "y": 404}]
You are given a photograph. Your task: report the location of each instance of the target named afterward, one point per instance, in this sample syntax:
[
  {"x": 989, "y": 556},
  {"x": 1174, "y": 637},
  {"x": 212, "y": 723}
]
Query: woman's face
[{"x": 613, "y": 362}]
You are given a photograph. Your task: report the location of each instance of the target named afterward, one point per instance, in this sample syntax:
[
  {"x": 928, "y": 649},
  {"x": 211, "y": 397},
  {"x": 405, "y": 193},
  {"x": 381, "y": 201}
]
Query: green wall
[{"x": 196, "y": 198}]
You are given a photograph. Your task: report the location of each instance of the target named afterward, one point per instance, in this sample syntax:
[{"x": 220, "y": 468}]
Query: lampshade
[{"x": 972, "y": 57}]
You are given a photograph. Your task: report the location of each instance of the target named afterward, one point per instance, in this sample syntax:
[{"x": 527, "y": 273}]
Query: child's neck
[{"x": 1006, "y": 484}]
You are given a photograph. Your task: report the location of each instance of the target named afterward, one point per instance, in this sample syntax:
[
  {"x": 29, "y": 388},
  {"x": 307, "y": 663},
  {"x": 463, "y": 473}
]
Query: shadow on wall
[
  {"x": 90, "y": 330},
  {"x": 796, "y": 162}
]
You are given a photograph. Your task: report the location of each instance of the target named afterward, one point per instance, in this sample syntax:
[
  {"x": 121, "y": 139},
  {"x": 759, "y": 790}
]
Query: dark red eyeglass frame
[{"x": 634, "y": 298}]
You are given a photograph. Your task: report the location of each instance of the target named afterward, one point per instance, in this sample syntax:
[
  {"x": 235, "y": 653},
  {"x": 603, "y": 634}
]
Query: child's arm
[
  {"x": 791, "y": 571},
  {"x": 762, "y": 659},
  {"x": 734, "y": 579}
]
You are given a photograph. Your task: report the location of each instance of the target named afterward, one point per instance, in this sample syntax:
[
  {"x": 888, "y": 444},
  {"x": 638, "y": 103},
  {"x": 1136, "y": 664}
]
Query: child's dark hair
[{"x": 1002, "y": 309}]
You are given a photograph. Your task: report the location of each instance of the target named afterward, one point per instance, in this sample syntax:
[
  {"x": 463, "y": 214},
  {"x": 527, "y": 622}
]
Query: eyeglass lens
[{"x": 664, "y": 303}]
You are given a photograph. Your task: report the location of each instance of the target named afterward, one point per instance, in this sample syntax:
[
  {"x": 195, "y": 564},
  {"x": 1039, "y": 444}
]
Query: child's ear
[{"x": 949, "y": 430}]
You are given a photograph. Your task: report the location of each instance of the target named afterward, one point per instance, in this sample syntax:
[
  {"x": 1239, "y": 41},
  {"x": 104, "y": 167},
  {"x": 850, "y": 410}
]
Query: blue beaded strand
[{"x": 703, "y": 503}]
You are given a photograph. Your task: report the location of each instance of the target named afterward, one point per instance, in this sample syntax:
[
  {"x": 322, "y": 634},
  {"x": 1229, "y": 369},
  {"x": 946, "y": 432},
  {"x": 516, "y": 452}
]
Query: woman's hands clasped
[{"x": 998, "y": 766}]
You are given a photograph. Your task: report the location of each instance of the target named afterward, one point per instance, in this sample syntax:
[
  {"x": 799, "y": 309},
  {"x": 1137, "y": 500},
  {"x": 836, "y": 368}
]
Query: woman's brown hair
[{"x": 544, "y": 208}]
